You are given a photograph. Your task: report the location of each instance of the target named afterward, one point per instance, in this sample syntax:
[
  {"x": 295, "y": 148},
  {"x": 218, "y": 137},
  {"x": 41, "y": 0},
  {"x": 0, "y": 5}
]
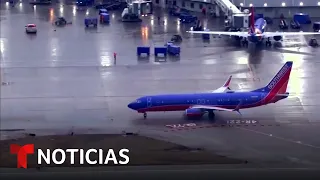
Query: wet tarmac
[{"x": 64, "y": 79}]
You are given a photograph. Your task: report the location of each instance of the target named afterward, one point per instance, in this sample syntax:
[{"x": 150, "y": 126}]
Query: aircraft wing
[
  {"x": 246, "y": 34},
  {"x": 226, "y": 33},
  {"x": 211, "y": 108},
  {"x": 215, "y": 108},
  {"x": 225, "y": 86},
  {"x": 272, "y": 34}
]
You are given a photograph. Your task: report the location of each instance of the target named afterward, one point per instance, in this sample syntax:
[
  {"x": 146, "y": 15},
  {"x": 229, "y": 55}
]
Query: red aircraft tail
[
  {"x": 277, "y": 87},
  {"x": 252, "y": 20},
  {"x": 280, "y": 81}
]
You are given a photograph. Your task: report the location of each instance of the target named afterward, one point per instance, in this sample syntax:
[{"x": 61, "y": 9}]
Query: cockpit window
[{"x": 138, "y": 101}]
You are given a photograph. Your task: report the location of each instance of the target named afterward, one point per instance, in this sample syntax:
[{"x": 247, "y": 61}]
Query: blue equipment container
[
  {"x": 143, "y": 50},
  {"x": 169, "y": 44},
  {"x": 160, "y": 50},
  {"x": 91, "y": 21},
  {"x": 206, "y": 36},
  {"x": 84, "y": 2},
  {"x": 104, "y": 18},
  {"x": 316, "y": 26},
  {"x": 103, "y": 11},
  {"x": 302, "y": 18},
  {"x": 187, "y": 18},
  {"x": 174, "y": 50}
]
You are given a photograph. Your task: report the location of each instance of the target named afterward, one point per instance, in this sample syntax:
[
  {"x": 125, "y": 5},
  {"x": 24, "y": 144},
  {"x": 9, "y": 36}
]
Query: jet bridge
[
  {"x": 236, "y": 18},
  {"x": 228, "y": 7},
  {"x": 140, "y": 7}
]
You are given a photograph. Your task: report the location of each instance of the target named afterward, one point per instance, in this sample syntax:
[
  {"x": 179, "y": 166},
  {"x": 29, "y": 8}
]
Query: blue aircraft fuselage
[
  {"x": 180, "y": 102},
  {"x": 258, "y": 28},
  {"x": 225, "y": 100}
]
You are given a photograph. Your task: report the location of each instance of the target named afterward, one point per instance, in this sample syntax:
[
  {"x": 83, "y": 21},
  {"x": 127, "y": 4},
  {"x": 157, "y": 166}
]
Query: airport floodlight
[
  {"x": 251, "y": 5},
  {"x": 241, "y": 4},
  {"x": 283, "y": 4},
  {"x": 301, "y": 3},
  {"x": 265, "y": 4}
]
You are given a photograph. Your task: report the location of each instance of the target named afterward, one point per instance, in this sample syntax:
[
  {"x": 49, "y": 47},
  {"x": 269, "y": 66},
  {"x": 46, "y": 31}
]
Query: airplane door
[
  {"x": 199, "y": 101},
  {"x": 149, "y": 102},
  {"x": 203, "y": 101}
]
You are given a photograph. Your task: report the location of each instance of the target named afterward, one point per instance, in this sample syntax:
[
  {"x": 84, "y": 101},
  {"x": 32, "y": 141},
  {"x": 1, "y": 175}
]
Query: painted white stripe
[{"x": 280, "y": 138}]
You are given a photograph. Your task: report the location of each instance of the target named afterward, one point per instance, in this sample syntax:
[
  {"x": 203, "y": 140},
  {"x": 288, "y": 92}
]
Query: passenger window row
[{"x": 204, "y": 101}]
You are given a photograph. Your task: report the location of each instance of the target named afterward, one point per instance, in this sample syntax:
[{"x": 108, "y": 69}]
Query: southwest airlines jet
[
  {"x": 221, "y": 99},
  {"x": 256, "y": 33}
]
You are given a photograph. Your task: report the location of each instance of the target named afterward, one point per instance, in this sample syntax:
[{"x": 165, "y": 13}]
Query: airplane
[
  {"x": 256, "y": 33},
  {"x": 223, "y": 99}
]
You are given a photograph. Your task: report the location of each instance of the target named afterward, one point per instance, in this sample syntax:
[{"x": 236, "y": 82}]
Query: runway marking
[
  {"x": 280, "y": 138},
  {"x": 6, "y": 83},
  {"x": 177, "y": 126},
  {"x": 193, "y": 126},
  {"x": 241, "y": 121}
]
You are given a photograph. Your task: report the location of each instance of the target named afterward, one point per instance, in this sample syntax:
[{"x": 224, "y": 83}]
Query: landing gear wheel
[
  {"x": 211, "y": 115},
  {"x": 145, "y": 115}
]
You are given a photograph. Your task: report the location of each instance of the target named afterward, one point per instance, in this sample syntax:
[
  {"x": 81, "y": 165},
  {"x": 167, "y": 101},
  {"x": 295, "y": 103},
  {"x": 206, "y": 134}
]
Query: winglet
[{"x": 227, "y": 83}]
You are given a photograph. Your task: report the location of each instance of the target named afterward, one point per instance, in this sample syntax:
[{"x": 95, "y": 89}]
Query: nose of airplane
[{"x": 131, "y": 105}]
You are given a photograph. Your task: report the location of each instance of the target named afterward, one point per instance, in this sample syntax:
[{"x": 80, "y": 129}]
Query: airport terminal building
[
  {"x": 194, "y": 5},
  {"x": 270, "y": 8},
  {"x": 288, "y": 8},
  {"x": 273, "y": 3}
]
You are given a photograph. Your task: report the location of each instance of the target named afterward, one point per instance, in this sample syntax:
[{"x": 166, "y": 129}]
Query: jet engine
[
  {"x": 192, "y": 112},
  {"x": 277, "y": 38}
]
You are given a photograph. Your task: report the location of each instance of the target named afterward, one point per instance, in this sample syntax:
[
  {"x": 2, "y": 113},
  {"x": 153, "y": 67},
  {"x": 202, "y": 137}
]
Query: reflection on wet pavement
[{"x": 74, "y": 61}]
